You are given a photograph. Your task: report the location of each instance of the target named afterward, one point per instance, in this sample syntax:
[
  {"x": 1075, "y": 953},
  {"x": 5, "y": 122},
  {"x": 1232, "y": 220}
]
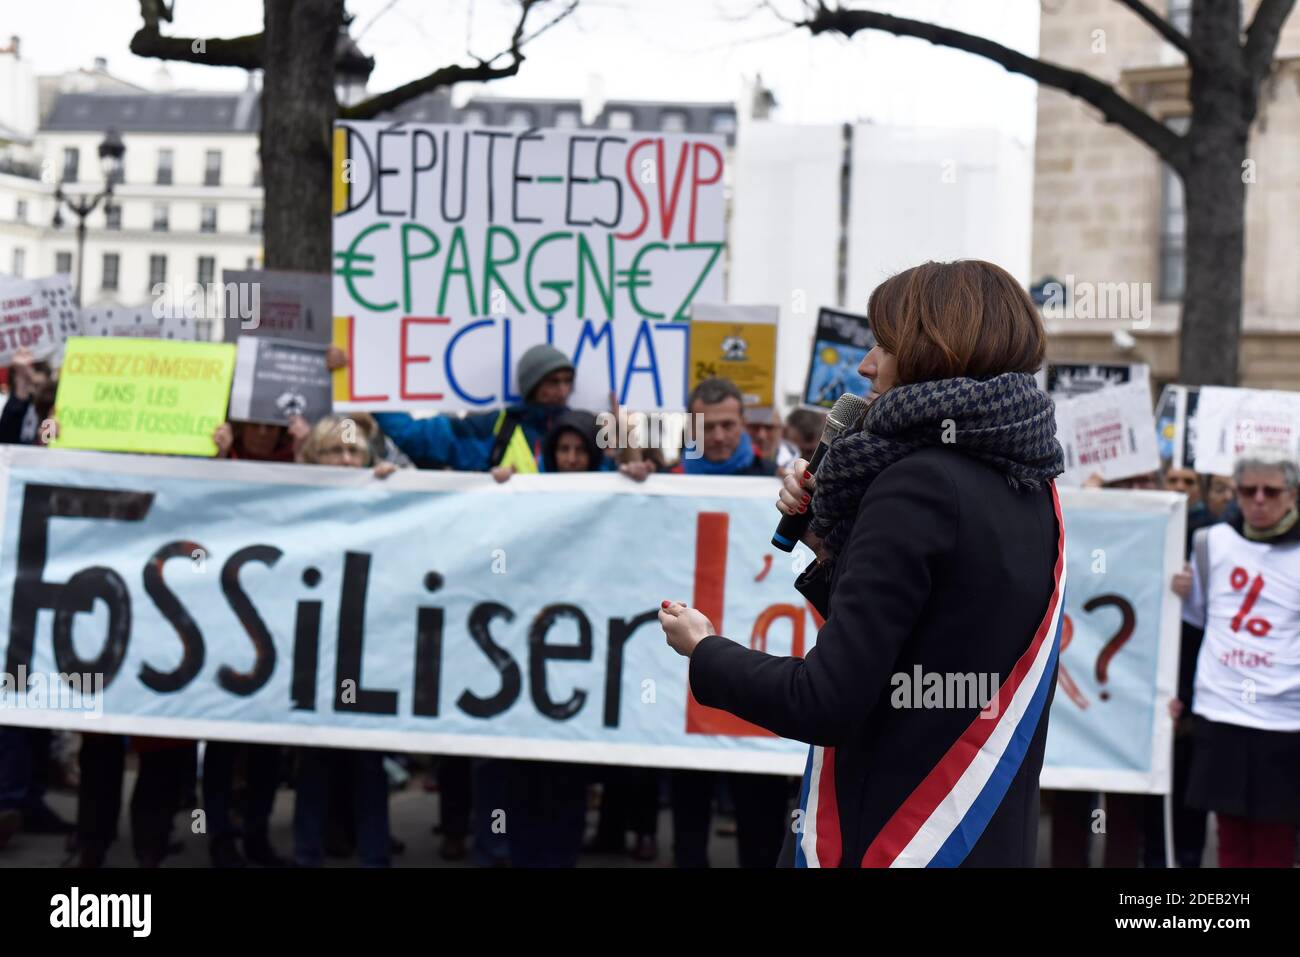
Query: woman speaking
[{"x": 940, "y": 572}]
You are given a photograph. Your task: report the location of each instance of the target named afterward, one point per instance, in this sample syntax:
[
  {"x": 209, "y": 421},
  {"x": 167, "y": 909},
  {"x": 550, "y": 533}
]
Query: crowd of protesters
[{"x": 1239, "y": 761}]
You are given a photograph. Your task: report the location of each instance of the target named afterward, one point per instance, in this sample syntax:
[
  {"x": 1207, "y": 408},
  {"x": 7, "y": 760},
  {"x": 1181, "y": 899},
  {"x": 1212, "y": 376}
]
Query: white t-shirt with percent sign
[{"x": 1248, "y": 671}]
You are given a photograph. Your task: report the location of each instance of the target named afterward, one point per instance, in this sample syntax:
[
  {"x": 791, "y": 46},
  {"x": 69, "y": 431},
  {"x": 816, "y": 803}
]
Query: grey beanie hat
[{"x": 536, "y": 364}]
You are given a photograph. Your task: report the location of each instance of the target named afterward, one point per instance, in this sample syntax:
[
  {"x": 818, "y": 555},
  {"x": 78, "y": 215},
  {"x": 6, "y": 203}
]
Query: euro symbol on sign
[{"x": 347, "y": 268}]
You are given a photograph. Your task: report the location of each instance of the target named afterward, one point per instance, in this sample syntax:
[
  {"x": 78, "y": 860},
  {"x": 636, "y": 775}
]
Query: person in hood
[{"x": 547, "y": 800}]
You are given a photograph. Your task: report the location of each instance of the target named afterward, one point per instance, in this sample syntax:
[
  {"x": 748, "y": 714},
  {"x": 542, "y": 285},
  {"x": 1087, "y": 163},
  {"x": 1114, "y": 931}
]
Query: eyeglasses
[{"x": 1249, "y": 491}]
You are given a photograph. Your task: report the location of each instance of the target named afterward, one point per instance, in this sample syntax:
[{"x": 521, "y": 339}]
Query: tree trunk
[
  {"x": 298, "y": 112},
  {"x": 1215, "y": 197}
]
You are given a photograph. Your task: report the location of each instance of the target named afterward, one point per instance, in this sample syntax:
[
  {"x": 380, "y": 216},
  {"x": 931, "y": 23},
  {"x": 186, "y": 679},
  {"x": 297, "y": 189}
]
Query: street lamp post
[{"x": 111, "y": 152}]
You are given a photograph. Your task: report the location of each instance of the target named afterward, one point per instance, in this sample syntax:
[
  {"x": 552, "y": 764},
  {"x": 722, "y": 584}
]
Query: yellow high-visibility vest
[{"x": 518, "y": 455}]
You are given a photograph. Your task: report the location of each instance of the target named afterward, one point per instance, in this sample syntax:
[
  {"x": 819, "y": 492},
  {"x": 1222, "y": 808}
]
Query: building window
[
  {"x": 672, "y": 121},
  {"x": 157, "y": 270},
  {"x": 212, "y": 168},
  {"x": 63, "y": 264},
  {"x": 113, "y": 217},
  {"x": 567, "y": 119},
  {"x": 159, "y": 218},
  {"x": 474, "y": 117},
  {"x": 620, "y": 119},
  {"x": 1173, "y": 225},
  {"x": 20, "y": 263},
  {"x": 255, "y": 219},
  {"x": 1180, "y": 16},
  {"x": 207, "y": 270},
  {"x": 250, "y": 262},
  {"x": 71, "y": 164},
  {"x": 111, "y": 265},
  {"x": 723, "y": 123},
  {"x": 257, "y": 171},
  {"x": 165, "y": 158},
  {"x": 208, "y": 220},
  {"x": 20, "y": 211}
]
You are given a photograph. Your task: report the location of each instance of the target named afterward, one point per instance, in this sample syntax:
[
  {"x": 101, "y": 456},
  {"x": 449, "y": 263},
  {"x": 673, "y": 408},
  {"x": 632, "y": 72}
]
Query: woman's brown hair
[{"x": 968, "y": 318}]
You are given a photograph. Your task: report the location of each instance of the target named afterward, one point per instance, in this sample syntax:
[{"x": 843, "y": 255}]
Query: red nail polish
[
  {"x": 807, "y": 499},
  {"x": 807, "y": 475},
  {"x": 665, "y": 605}
]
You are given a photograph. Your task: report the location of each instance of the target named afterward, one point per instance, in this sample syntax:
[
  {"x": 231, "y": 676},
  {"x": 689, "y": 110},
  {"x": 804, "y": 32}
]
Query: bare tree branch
[
  {"x": 483, "y": 70},
  {"x": 1162, "y": 26},
  {"x": 1261, "y": 38},
  {"x": 148, "y": 41},
  {"x": 1114, "y": 108}
]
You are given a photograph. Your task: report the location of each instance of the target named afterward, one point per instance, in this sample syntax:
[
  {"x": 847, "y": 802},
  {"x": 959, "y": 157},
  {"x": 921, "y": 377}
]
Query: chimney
[
  {"x": 593, "y": 100},
  {"x": 14, "y": 47},
  {"x": 101, "y": 64}
]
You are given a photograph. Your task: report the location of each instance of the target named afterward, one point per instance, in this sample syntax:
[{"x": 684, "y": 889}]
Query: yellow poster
[
  {"x": 143, "y": 395},
  {"x": 736, "y": 343}
]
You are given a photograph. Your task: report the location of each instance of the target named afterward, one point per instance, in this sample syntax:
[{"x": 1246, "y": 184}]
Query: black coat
[{"x": 947, "y": 568}]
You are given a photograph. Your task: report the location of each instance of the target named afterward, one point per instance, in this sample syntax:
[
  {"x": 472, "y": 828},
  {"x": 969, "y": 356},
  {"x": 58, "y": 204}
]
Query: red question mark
[{"x": 1109, "y": 650}]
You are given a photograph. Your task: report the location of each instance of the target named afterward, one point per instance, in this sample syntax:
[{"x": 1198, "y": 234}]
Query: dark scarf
[{"x": 1006, "y": 421}]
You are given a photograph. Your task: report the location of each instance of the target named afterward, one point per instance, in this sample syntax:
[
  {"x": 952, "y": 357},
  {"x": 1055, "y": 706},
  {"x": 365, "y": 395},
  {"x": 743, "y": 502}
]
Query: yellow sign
[
  {"x": 744, "y": 352},
  {"x": 143, "y": 395}
]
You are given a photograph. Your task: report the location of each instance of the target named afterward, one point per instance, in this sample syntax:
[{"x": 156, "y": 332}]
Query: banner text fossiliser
[{"x": 32, "y": 594}]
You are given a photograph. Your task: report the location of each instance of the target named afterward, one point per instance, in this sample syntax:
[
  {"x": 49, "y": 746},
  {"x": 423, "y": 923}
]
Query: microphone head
[{"x": 845, "y": 412}]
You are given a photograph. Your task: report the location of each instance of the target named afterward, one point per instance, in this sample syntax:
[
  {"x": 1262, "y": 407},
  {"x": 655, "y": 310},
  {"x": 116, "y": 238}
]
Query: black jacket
[{"x": 949, "y": 569}]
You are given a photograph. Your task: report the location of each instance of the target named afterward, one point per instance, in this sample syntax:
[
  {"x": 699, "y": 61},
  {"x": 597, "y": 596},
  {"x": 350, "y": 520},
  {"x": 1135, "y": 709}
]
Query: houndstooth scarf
[{"x": 1006, "y": 421}]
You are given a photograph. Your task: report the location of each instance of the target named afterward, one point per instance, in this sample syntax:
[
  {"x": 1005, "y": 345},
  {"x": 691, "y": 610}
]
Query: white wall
[
  {"x": 914, "y": 194},
  {"x": 785, "y": 230},
  {"x": 921, "y": 194}
]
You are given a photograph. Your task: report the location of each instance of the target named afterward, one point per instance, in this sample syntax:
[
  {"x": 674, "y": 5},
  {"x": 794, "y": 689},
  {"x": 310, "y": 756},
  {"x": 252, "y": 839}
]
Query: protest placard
[
  {"x": 525, "y": 654},
  {"x": 35, "y": 314},
  {"x": 841, "y": 342},
  {"x": 1110, "y": 432},
  {"x": 1176, "y": 425},
  {"x": 736, "y": 343},
  {"x": 1229, "y": 421},
  {"x": 1065, "y": 380},
  {"x": 456, "y": 249},
  {"x": 143, "y": 395},
  {"x": 278, "y": 378},
  {"x": 277, "y": 303}
]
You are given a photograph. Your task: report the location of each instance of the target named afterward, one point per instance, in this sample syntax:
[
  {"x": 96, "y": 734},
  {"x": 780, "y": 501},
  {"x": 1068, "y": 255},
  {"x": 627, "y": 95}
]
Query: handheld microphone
[{"x": 846, "y": 411}]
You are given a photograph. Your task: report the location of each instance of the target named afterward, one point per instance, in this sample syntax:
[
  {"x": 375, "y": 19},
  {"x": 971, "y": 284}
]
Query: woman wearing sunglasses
[{"x": 1244, "y": 590}]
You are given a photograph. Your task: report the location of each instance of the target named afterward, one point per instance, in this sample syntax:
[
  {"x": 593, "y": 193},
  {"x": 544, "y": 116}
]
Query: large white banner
[
  {"x": 440, "y": 612},
  {"x": 455, "y": 249}
]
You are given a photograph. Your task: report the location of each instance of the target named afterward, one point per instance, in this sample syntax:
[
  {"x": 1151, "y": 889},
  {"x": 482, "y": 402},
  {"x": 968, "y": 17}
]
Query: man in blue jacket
[{"x": 510, "y": 437}]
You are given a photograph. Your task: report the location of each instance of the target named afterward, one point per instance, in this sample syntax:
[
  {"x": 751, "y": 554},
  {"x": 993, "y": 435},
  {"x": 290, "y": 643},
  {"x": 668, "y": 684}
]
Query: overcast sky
[{"x": 625, "y": 49}]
